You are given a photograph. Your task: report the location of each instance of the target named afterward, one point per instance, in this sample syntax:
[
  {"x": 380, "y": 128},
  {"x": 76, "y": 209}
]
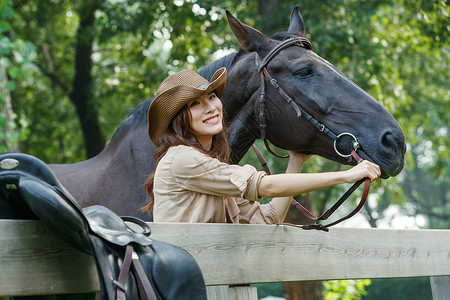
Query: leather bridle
[{"x": 264, "y": 74}]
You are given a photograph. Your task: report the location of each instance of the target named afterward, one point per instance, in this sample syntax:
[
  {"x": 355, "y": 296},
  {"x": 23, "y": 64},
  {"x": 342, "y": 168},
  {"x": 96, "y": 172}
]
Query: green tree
[{"x": 15, "y": 57}]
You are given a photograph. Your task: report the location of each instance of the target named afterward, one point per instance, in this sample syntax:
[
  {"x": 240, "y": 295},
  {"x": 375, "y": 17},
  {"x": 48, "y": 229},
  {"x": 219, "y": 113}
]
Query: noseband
[{"x": 261, "y": 66}]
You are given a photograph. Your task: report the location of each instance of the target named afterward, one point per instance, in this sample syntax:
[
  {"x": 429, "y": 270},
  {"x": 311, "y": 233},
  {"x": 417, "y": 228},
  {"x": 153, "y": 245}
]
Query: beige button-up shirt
[{"x": 193, "y": 187}]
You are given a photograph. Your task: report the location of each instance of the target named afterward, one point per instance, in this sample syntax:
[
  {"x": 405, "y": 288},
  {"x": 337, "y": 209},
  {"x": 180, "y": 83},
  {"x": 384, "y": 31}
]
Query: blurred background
[{"x": 70, "y": 71}]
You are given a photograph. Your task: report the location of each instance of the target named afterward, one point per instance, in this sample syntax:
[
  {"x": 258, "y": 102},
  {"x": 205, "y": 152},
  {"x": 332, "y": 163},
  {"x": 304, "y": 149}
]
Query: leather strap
[
  {"x": 299, "y": 41},
  {"x": 357, "y": 209},
  {"x": 120, "y": 282},
  {"x": 261, "y": 68},
  {"x": 262, "y": 160},
  {"x": 262, "y": 106},
  {"x": 299, "y": 111},
  {"x": 146, "y": 291},
  {"x": 330, "y": 211},
  {"x": 341, "y": 200}
]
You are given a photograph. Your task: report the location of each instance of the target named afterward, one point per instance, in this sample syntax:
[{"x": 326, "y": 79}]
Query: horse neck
[
  {"x": 239, "y": 99},
  {"x": 122, "y": 166},
  {"x": 130, "y": 150},
  {"x": 79, "y": 178}
]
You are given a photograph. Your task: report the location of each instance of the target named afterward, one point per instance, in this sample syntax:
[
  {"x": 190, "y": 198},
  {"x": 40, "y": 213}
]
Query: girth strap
[
  {"x": 146, "y": 291},
  {"x": 145, "y": 288},
  {"x": 120, "y": 282}
]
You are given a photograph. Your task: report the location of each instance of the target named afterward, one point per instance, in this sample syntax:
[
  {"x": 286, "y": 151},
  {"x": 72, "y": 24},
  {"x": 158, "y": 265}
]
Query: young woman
[{"x": 193, "y": 181}]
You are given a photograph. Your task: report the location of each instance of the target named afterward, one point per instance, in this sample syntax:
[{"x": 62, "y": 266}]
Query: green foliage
[
  {"x": 41, "y": 95},
  {"x": 345, "y": 289},
  {"x": 15, "y": 57},
  {"x": 411, "y": 62}
]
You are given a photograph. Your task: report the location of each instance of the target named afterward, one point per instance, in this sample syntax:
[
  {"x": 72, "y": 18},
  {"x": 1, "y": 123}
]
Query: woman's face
[{"x": 206, "y": 113}]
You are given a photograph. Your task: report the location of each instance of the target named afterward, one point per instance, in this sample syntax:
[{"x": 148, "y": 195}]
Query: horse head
[{"x": 301, "y": 102}]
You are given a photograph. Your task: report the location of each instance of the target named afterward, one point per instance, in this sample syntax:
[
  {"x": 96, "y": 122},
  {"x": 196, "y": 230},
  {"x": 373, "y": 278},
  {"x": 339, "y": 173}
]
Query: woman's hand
[{"x": 362, "y": 170}]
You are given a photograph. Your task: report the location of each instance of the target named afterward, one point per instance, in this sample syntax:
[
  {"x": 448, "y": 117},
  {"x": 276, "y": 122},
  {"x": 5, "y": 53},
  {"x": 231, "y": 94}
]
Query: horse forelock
[{"x": 281, "y": 36}]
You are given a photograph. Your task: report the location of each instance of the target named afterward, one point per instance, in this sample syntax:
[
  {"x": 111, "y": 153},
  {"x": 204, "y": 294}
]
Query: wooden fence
[{"x": 34, "y": 261}]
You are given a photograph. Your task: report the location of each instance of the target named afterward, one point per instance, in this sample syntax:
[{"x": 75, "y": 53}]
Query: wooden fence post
[
  {"x": 440, "y": 287},
  {"x": 233, "y": 292}
]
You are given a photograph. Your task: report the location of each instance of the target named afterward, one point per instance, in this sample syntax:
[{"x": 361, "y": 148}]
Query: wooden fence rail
[{"x": 34, "y": 261}]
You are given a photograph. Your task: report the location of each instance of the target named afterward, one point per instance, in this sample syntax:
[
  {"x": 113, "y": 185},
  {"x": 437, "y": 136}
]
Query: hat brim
[{"x": 165, "y": 106}]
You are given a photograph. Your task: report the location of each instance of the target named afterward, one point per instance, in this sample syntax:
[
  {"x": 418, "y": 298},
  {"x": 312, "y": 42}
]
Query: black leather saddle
[{"x": 130, "y": 265}]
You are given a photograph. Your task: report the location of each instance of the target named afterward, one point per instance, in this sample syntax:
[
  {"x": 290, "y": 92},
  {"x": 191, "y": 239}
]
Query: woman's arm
[
  {"x": 282, "y": 187},
  {"x": 281, "y": 204}
]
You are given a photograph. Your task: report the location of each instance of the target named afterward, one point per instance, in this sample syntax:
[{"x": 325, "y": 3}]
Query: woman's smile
[
  {"x": 212, "y": 120},
  {"x": 206, "y": 118}
]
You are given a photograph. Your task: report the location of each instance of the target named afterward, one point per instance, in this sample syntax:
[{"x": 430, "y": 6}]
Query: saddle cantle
[{"x": 130, "y": 265}]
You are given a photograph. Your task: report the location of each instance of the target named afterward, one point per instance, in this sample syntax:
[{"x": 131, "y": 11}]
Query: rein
[{"x": 264, "y": 74}]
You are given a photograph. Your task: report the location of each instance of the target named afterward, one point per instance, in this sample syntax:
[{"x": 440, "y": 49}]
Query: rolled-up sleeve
[
  {"x": 199, "y": 172},
  {"x": 242, "y": 211}
]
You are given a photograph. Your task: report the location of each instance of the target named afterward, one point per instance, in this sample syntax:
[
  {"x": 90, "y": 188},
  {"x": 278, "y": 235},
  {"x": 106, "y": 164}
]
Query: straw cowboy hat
[{"x": 176, "y": 91}]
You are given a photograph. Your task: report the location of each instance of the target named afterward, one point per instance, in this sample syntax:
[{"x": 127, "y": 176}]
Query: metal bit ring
[{"x": 355, "y": 144}]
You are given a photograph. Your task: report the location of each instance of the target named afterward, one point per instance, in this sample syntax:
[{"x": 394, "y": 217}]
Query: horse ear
[
  {"x": 249, "y": 38},
  {"x": 296, "y": 26}
]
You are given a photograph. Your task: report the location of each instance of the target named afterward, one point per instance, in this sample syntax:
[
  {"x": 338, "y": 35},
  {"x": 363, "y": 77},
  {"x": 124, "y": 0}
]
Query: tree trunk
[
  {"x": 268, "y": 10},
  {"x": 82, "y": 94},
  {"x": 9, "y": 130},
  {"x": 304, "y": 290}
]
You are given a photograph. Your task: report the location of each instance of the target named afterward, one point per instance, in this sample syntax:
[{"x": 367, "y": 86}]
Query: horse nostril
[{"x": 388, "y": 141}]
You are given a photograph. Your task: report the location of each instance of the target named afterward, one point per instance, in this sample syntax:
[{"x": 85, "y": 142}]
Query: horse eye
[{"x": 306, "y": 72}]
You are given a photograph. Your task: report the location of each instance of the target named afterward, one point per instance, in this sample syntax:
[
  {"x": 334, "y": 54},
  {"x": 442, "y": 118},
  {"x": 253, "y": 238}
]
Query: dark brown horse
[{"x": 319, "y": 90}]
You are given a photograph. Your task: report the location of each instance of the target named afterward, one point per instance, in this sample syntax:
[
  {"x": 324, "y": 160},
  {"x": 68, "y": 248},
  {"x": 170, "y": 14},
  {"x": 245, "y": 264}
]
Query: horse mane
[
  {"x": 227, "y": 61},
  {"x": 136, "y": 117}
]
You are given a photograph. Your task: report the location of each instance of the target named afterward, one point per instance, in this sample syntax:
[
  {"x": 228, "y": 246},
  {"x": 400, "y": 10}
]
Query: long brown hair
[{"x": 180, "y": 133}]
